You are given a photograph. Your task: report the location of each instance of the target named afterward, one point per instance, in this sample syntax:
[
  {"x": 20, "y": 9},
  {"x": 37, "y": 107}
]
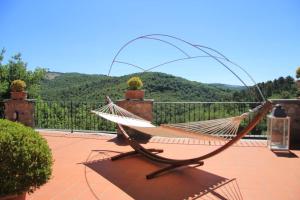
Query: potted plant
[
  {"x": 134, "y": 89},
  {"x": 25, "y": 160},
  {"x": 17, "y": 88},
  {"x": 298, "y": 75},
  {"x": 298, "y": 81}
]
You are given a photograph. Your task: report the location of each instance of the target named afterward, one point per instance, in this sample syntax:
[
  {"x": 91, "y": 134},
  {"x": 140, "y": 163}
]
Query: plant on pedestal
[
  {"x": 134, "y": 91},
  {"x": 17, "y": 88},
  {"x": 298, "y": 81}
]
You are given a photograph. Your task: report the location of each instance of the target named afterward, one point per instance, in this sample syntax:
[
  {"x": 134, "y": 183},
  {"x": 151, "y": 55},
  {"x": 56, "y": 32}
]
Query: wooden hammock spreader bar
[{"x": 174, "y": 163}]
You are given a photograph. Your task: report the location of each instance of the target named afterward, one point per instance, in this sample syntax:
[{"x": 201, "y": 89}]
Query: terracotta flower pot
[
  {"x": 14, "y": 197},
  {"x": 18, "y": 95},
  {"x": 135, "y": 94}
]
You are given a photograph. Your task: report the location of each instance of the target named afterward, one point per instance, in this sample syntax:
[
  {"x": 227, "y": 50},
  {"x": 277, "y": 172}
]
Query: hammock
[
  {"x": 224, "y": 129},
  {"x": 215, "y": 129}
]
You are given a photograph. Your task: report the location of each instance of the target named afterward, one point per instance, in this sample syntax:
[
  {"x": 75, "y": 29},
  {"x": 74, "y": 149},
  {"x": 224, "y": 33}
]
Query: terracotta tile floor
[{"x": 82, "y": 170}]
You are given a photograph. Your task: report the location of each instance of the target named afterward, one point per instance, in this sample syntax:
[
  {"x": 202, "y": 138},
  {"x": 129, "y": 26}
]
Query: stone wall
[
  {"x": 141, "y": 108},
  {"x": 20, "y": 110},
  {"x": 292, "y": 108}
]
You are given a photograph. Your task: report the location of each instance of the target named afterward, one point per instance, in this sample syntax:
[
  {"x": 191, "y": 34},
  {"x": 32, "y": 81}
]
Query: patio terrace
[{"x": 82, "y": 170}]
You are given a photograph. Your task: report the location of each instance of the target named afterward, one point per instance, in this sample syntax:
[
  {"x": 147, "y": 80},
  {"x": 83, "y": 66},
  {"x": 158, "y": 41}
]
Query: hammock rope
[{"x": 225, "y": 127}]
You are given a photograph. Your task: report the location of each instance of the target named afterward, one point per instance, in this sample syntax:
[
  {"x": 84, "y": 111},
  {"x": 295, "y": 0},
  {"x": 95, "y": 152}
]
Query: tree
[
  {"x": 15, "y": 69},
  {"x": 298, "y": 72},
  {"x": 285, "y": 95},
  {"x": 268, "y": 88},
  {"x": 298, "y": 81}
]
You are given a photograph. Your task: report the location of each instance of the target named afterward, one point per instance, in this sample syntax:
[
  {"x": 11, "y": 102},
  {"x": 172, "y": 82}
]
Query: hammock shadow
[
  {"x": 122, "y": 142},
  {"x": 188, "y": 183}
]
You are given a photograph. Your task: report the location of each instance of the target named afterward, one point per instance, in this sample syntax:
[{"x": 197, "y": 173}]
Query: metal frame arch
[
  {"x": 138, "y": 38},
  {"x": 187, "y": 55},
  {"x": 199, "y": 47},
  {"x": 240, "y": 67}
]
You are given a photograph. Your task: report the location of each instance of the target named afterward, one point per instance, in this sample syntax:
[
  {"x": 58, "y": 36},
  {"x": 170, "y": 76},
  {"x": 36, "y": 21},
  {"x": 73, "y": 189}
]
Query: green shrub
[
  {"x": 135, "y": 83},
  {"x": 18, "y": 86},
  {"x": 298, "y": 72},
  {"x": 25, "y": 159}
]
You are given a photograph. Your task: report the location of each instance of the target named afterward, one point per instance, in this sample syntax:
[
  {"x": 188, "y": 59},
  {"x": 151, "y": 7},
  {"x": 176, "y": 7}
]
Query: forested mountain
[
  {"x": 158, "y": 86},
  {"x": 226, "y": 86},
  {"x": 281, "y": 88},
  {"x": 284, "y": 88}
]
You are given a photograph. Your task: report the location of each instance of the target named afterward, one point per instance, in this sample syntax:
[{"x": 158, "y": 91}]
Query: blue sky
[{"x": 84, "y": 36}]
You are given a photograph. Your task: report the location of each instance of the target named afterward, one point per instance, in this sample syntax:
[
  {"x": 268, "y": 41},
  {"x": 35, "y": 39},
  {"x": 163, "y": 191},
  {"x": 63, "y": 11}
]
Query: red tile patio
[{"x": 82, "y": 170}]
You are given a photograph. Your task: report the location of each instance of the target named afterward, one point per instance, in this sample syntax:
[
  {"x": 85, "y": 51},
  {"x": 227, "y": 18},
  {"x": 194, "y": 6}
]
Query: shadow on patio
[{"x": 188, "y": 183}]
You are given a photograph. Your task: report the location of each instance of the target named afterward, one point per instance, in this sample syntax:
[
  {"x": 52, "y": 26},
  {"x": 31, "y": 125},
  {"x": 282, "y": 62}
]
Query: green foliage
[
  {"x": 158, "y": 86},
  {"x": 135, "y": 83},
  {"x": 18, "y": 86},
  {"x": 16, "y": 69},
  {"x": 298, "y": 93},
  {"x": 281, "y": 88},
  {"x": 25, "y": 159},
  {"x": 298, "y": 72},
  {"x": 285, "y": 95}
]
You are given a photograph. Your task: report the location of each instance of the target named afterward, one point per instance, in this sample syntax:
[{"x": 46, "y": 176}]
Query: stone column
[
  {"x": 292, "y": 108},
  {"x": 141, "y": 108},
  {"x": 20, "y": 110}
]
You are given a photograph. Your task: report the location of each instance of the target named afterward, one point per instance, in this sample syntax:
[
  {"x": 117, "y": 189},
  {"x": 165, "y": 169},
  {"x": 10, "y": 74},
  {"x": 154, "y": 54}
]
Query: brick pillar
[
  {"x": 20, "y": 110},
  {"x": 292, "y": 108},
  {"x": 141, "y": 108}
]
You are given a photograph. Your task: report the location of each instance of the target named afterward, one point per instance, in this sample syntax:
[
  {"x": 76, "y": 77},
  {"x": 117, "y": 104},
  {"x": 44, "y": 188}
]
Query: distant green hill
[
  {"x": 158, "y": 86},
  {"x": 226, "y": 86},
  {"x": 281, "y": 88}
]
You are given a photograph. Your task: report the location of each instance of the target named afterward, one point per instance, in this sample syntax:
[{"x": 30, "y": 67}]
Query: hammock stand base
[
  {"x": 159, "y": 171},
  {"x": 132, "y": 153},
  {"x": 171, "y": 167}
]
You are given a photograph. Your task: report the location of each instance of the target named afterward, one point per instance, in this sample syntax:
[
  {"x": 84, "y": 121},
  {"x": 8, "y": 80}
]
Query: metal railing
[{"x": 72, "y": 115}]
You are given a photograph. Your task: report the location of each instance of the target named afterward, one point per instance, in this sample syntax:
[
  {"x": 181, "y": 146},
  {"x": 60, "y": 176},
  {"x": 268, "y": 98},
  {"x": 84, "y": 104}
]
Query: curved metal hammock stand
[
  {"x": 223, "y": 129},
  {"x": 174, "y": 163}
]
